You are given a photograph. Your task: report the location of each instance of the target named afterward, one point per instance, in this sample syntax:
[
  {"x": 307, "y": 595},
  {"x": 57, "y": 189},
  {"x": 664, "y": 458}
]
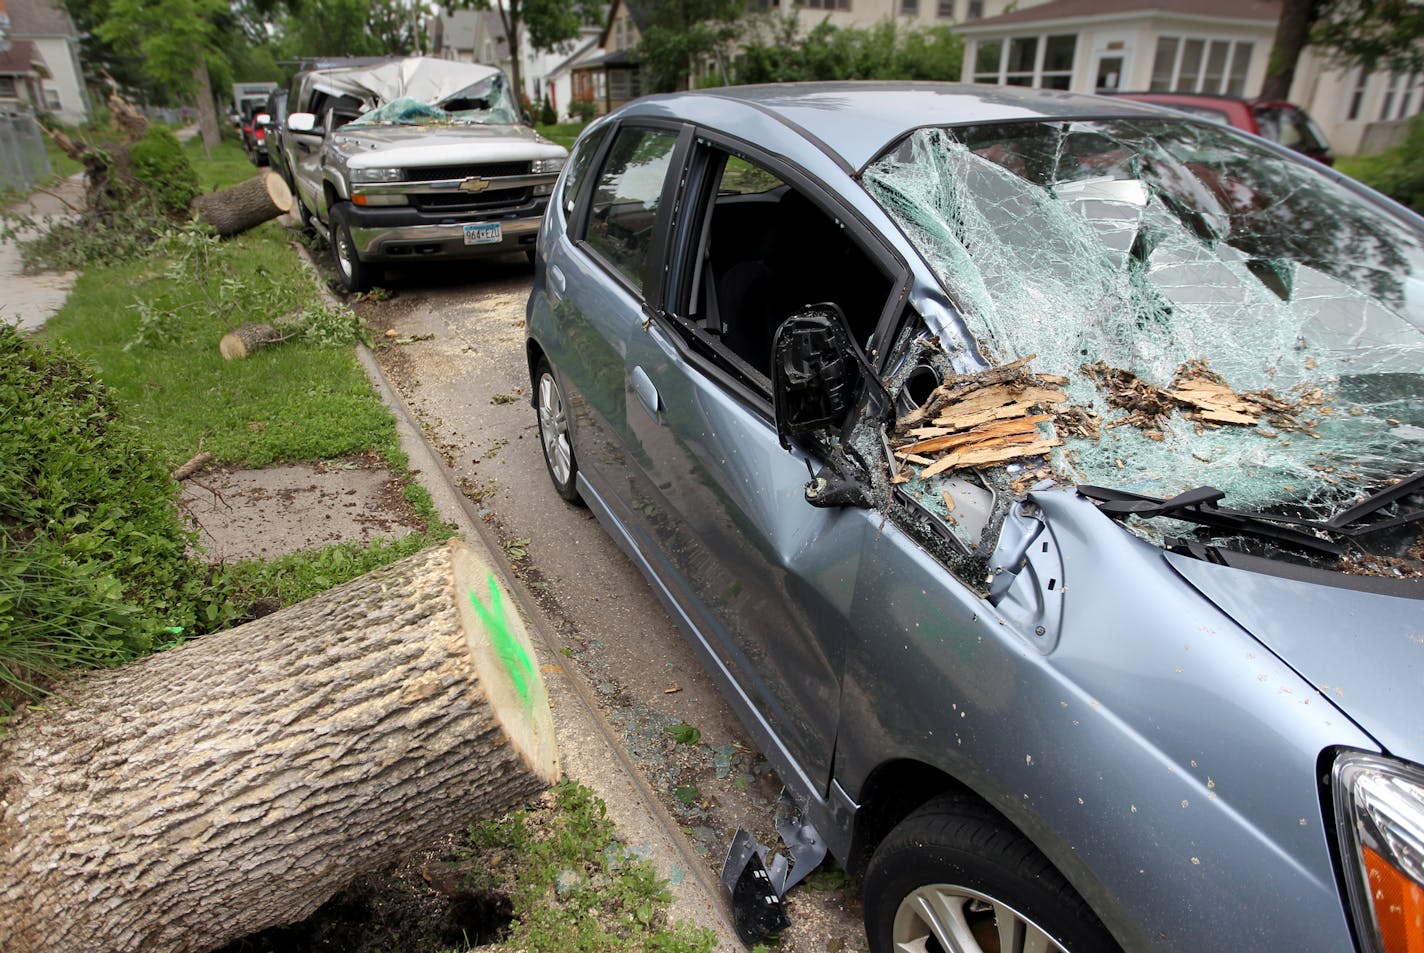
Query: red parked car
[
  {"x": 1276, "y": 120},
  {"x": 254, "y": 133}
]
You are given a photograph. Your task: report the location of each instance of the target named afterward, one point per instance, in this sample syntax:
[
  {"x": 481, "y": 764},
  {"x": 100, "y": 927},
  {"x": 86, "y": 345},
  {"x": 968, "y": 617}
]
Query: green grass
[
  {"x": 576, "y": 888},
  {"x": 152, "y": 329},
  {"x": 229, "y": 164},
  {"x": 563, "y": 133}
]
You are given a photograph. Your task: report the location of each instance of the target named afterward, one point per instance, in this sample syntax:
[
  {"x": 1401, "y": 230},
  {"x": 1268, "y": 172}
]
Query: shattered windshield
[
  {"x": 1195, "y": 309},
  {"x": 487, "y": 102}
]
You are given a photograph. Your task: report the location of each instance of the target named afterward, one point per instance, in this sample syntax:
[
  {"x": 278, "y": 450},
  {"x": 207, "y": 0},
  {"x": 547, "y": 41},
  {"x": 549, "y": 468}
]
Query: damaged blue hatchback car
[{"x": 1042, "y": 478}]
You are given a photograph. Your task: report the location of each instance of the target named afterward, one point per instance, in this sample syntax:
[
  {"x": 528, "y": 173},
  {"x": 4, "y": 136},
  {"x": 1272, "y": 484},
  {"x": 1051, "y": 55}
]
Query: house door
[{"x": 1109, "y": 73}]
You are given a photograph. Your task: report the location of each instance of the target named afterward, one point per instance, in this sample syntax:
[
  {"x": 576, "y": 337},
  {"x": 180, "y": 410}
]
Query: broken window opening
[{"x": 1273, "y": 314}]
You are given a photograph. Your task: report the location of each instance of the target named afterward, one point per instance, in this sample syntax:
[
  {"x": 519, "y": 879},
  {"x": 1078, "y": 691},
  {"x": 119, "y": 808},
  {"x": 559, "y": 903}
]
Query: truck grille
[
  {"x": 483, "y": 170},
  {"x": 471, "y": 201}
]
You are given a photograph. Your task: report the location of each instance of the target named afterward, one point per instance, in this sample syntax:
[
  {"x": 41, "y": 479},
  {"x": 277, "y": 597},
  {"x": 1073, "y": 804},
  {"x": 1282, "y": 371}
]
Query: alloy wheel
[
  {"x": 939, "y": 918},
  {"x": 554, "y": 429}
]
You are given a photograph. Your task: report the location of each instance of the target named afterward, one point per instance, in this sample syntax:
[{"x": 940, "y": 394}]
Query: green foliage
[
  {"x": 1375, "y": 34},
  {"x": 577, "y": 888},
  {"x": 547, "y": 114},
  {"x": 779, "y": 54},
  {"x": 583, "y": 110},
  {"x": 172, "y": 37},
  {"x": 685, "y": 734},
  {"x": 94, "y": 558},
  {"x": 1397, "y": 172},
  {"x": 163, "y": 168},
  {"x": 289, "y": 579},
  {"x": 678, "y": 36}
]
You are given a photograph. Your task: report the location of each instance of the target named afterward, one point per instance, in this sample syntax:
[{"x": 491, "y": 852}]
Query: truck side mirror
[{"x": 303, "y": 122}]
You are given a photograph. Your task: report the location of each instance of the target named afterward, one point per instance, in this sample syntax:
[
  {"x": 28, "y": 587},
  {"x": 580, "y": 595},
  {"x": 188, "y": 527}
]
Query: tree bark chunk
[
  {"x": 239, "y": 781},
  {"x": 245, "y": 339},
  {"x": 246, "y": 205}
]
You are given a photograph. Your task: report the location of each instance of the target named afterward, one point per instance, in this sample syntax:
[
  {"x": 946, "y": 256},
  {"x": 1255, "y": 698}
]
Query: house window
[
  {"x": 1200, "y": 65},
  {"x": 976, "y": 10},
  {"x": 910, "y": 8},
  {"x": 51, "y": 96},
  {"x": 1391, "y": 92},
  {"x": 1357, "y": 98},
  {"x": 945, "y": 9},
  {"x": 826, "y": 4},
  {"x": 1038, "y": 61},
  {"x": 8, "y": 89}
]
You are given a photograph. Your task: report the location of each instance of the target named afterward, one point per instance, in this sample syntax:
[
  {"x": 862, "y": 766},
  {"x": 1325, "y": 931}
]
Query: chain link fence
[{"x": 23, "y": 160}]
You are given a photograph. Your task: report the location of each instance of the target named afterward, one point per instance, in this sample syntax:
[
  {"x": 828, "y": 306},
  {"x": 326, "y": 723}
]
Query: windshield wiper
[{"x": 1199, "y": 506}]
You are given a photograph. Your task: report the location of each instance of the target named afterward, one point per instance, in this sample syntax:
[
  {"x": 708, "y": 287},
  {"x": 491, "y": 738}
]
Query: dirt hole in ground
[{"x": 407, "y": 908}]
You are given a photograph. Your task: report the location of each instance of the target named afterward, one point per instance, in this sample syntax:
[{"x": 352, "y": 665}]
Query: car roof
[{"x": 854, "y": 121}]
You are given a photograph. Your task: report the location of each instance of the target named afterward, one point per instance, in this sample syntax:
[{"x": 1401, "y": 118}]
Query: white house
[
  {"x": 1218, "y": 47},
  {"x": 477, "y": 36},
  {"x": 53, "y": 53}
]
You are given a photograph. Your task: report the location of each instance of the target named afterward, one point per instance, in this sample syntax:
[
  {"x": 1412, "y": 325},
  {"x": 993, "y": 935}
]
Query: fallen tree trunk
[
  {"x": 245, "y": 205},
  {"x": 239, "y": 781},
  {"x": 245, "y": 339}
]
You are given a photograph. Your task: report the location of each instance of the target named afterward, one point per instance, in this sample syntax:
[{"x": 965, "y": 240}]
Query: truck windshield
[{"x": 488, "y": 102}]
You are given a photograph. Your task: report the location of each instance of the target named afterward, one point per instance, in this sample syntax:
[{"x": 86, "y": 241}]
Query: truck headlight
[
  {"x": 540, "y": 166},
  {"x": 1379, "y": 811},
  {"x": 375, "y": 174}
]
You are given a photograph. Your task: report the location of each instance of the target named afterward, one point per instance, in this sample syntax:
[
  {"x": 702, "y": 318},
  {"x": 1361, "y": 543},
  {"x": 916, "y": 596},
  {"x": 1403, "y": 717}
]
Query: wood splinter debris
[{"x": 975, "y": 420}]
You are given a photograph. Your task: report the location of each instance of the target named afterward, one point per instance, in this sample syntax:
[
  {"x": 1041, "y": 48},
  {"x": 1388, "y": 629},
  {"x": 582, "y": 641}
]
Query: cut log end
[
  {"x": 244, "y": 340},
  {"x": 245, "y": 205},
  {"x": 504, "y": 656}
]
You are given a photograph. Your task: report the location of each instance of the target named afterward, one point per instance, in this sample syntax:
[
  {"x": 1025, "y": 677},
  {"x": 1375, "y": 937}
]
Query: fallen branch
[{"x": 194, "y": 464}]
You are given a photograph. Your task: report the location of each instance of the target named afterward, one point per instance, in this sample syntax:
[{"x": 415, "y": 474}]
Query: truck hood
[
  {"x": 1364, "y": 651},
  {"x": 414, "y": 146}
]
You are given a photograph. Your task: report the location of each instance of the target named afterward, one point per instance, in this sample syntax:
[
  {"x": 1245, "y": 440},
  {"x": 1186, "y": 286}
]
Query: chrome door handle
[{"x": 647, "y": 393}]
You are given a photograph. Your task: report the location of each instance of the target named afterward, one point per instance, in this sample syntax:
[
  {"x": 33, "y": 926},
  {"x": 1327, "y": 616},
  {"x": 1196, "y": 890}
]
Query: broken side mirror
[{"x": 816, "y": 373}]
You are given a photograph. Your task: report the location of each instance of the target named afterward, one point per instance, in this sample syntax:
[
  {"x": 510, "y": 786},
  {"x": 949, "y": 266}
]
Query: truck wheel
[
  {"x": 954, "y": 876},
  {"x": 355, "y": 274}
]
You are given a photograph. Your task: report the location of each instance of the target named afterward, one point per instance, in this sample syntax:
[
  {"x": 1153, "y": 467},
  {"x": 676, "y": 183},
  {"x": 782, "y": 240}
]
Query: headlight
[
  {"x": 1379, "y": 808},
  {"x": 540, "y": 166},
  {"x": 377, "y": 175}
]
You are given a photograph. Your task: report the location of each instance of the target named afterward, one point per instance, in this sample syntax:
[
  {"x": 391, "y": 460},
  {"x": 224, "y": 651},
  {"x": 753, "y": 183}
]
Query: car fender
[{"x": 1155, "y": 731}]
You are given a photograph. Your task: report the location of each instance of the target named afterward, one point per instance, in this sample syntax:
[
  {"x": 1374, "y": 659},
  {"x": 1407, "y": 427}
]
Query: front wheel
[
  {"x": 954, "y": 876},
  {"x": 554, "y": 432},
  {"x": 355, "y": 274}
]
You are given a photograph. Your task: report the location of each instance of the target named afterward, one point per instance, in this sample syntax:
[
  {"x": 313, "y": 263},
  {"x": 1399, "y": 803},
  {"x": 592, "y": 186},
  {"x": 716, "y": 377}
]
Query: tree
[
  {"x": 679, "y": 34},
  {"x": 175, "y": 39},
  {"x": 1366, "y": 33},
  {"x": 547, "y": 22}
]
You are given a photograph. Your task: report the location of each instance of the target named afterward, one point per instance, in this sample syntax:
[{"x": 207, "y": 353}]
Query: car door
[
  {"x": 766, "y": 579},
  {"x": 304, "y": 156}
]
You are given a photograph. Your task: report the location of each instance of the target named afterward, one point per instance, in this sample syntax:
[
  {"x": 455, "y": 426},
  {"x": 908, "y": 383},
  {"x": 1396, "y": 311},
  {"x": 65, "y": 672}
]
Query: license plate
[{"x": 483, "y": 233}]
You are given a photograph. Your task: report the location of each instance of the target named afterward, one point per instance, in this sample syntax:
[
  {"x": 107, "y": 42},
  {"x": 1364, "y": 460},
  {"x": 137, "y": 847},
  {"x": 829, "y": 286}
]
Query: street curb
[{"x": 697, "y": 895}]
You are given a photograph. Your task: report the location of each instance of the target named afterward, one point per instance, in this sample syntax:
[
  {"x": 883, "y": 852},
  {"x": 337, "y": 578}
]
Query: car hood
[
  {"x": 1364, "y": 651},
  {"x": 439, "y": 145}
]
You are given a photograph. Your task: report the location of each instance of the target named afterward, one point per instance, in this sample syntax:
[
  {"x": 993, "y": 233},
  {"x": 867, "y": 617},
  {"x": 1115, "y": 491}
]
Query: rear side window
[
  {"x": 626, "y": 197},
  {"x": 578, "y": 169}
]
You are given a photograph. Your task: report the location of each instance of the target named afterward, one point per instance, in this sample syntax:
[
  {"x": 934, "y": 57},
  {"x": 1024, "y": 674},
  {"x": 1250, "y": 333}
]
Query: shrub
[
  {"x": 583, "y": 109},
  {"x": 1397, "y": 172},
  {"x": 161, "y": 166},
  {"x": 95, "y": 562},
  {"x": 547, "y": 114}
]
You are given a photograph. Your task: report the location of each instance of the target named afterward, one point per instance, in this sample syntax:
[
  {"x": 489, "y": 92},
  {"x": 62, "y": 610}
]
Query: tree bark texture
[
  {"x": 246, "y": 339},
  {"x": 1292, "y": 34},
  {"x": 239, "y": 781},
  {"x": 245, "y": 205},
  {"x": 207, "y": 107}
]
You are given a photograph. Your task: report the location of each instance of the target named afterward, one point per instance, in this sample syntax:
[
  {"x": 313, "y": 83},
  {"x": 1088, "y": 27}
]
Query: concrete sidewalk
[{"x": 31, "y": 300}]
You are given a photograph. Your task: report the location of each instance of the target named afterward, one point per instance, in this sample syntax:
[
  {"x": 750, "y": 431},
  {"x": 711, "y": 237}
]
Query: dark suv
[{"x": 1274, "y": 119}]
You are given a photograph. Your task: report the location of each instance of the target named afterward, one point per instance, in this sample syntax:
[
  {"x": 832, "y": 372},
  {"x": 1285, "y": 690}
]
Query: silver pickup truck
[{"x": 413, "y": 159}]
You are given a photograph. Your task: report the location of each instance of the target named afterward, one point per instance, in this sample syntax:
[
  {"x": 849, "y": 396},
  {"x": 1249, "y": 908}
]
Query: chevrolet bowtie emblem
[{"x": 474, "y": 185}]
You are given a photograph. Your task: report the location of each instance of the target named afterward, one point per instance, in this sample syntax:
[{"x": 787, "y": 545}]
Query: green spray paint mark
[{"x": 516, "y": 660}]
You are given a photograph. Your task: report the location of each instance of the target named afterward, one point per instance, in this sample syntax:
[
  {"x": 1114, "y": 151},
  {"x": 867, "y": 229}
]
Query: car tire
[
  {"x": 956, "y": 876},
  {"x": 554, "y": 435},
  {"x": 354, "y": 274}
]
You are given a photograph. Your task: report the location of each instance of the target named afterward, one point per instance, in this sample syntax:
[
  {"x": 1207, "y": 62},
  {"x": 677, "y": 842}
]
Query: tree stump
[
  {"x": 239, "y": 781},
  {"x": 245, "y": 205},
  {"x": 243, "y": 340}
]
